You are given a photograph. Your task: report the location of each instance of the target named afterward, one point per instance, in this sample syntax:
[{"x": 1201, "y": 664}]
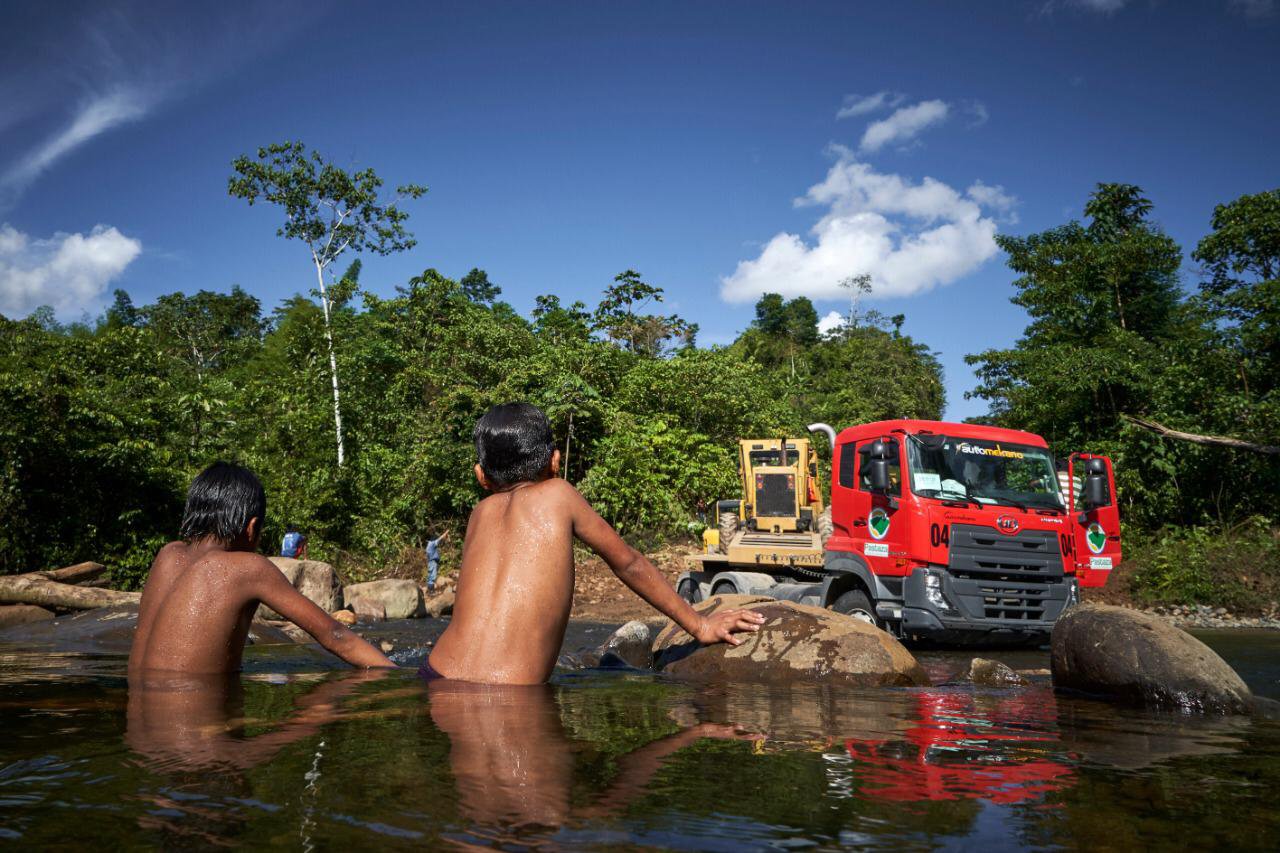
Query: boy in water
[
  {"x": 202, "y": 592},
  {"x": 515, "y": 586}
]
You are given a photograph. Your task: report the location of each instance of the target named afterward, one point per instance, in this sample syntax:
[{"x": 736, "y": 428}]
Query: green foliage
[
  {"x": 1111, "y": 335},
  {"x": 1237, "y": 568}
]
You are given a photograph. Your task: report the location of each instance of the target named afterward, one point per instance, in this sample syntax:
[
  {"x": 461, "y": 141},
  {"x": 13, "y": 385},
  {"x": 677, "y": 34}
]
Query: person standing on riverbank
[
  {"x": 294, "y": 544},
  {"x": 433, "y": 559}
]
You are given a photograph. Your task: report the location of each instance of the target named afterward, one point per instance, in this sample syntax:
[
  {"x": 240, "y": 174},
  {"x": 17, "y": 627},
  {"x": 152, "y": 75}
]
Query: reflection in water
[
  {"x": 188, "y": 722},
  {"x": 513, "y": 762}
]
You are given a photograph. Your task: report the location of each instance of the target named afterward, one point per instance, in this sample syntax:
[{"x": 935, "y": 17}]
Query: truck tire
[
  {"x": 728, "y": 527},
  {"x": 689, "y": 591},
  {"x": 855, "y": 603},
  {"x": 825, "y": 526}
]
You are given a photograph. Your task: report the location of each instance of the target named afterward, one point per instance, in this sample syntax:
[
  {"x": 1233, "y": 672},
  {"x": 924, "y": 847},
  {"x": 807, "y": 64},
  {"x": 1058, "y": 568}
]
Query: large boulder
[
  {"x": 314, "y": 579},
  {"x": 1123, "y": 654},
  {"x": 796, "y": 643},
  {"x": 438, "y": 603},
  {"x": 392, "y": 598}
]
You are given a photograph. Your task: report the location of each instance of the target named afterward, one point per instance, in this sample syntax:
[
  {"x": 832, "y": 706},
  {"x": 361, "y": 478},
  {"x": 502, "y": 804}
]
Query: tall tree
[
  {"x": 477, "y": 287},
  {"x": 622, "y": 316},
  {"x": 332, "y": 211}
]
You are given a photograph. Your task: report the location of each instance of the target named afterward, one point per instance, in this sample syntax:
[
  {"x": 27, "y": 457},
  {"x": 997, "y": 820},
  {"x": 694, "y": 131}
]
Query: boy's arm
[
  {"x": 273, "y": 590},
  {"x": 635, "y": 570}
]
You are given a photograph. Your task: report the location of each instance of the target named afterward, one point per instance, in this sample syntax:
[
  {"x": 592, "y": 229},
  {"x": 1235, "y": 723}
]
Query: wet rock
[
  {"x": 23, "y": 614},
  {"x": 314, "y": 579},
  {"x": 393, "y": 598},
  {"x": 346, "y": 617},
  {"x": 276, "y": 633},
  {"x": 797, "y": 643},
  {"x": 387, "y": 648},
  {"x": 1135, "y": 657},
  {"x": 630, "y": 645},
  {"x": 438, "y": 603},
  {"x": 993, "y": 673}
]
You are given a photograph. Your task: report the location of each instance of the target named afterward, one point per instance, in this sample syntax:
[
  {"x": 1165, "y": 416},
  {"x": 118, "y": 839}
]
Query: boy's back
[
  {"x": 515, "y": 587},
  {"x": 192, "y": 594}
]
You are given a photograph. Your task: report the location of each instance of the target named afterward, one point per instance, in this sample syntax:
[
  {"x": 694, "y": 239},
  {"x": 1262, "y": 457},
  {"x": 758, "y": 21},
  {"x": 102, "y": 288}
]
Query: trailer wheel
[
  {"x": 825, "y": 526},
  {"x": 855, "y": 603},
  {"x": 728, "y": 527},
  {"x": 689, "y": 590}
]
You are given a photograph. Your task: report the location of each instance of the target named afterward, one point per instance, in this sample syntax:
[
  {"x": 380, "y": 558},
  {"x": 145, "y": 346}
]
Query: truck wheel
[
  {"x": 689, "y": 591},
  {"x": 825, "y": 526},
  {"x": 855, "y": 603},
  {"x": 728, "y": 527}
]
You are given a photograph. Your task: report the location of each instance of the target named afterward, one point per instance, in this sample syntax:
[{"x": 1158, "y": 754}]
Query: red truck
[{"x": 948, "y": 532}]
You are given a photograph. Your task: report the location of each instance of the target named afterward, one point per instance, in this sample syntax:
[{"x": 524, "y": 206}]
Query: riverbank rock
[
  {"x": 346, "y": 617},
  {"x": 392, "y": 598},
  {"x": 314, "y": 579},
  {"x": 22, "y": 614},
  {"x": 1134, "y": 657},
  {"x": 796, "y": 643},
  {"x": 630, "y": 645},
  {"x": 438, "y": 603},
  {"x": 993, "y": 673}
]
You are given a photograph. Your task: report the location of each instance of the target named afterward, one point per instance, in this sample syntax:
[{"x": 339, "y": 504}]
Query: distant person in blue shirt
[
  {"x": 433, "y": 559},
  {"x": 294, "y": 544}
]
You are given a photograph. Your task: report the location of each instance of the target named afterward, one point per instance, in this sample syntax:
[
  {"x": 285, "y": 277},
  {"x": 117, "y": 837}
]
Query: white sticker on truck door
[
  {"x": 1100, "y": 563},
  {"x": 876, "y": 549}
]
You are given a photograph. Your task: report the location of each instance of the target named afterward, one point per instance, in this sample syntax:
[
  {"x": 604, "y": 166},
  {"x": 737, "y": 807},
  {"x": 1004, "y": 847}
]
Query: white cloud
[
  {"x": 67, "y": 271},
  {"x": 978, "y": 114},
  {"x": 993, "y": 197},
  {"x": 856, "y": 105},
  {"x": 828, "y": 324},
  {"x": 905, "y": 124},
  {"x": 910, "y": 237},
  {"x": 95, "y": 116}
]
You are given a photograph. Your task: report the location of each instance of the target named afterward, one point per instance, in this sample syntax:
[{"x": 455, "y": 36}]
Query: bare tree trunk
[
  {"x": 333, "y": 362},
  {"x": 34, "y": 589},
  {"x": 74, "y": 574},
  {"x": 1195, "y": 438}
]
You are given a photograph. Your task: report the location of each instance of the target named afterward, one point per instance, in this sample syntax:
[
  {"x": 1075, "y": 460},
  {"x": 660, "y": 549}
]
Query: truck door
[
  {"x": 1096, "y": 529},
  {"x": 880, "y": 533}
]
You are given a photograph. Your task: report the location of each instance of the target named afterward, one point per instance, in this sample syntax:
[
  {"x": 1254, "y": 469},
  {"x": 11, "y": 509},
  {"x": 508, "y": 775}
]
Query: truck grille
[{"x": 1005, "y": 577}]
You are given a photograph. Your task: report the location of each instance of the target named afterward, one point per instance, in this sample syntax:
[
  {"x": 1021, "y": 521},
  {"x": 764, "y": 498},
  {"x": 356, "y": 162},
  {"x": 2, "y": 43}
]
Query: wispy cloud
[
  {"x": 904, "y": 124},
  {"x": 910, "y": 236},
  {"x": 65, "y": 84},
  {"x": 96, "y": 115},
  {"x": 69, "y": 272},
  {"x": 858, "y": 105}
]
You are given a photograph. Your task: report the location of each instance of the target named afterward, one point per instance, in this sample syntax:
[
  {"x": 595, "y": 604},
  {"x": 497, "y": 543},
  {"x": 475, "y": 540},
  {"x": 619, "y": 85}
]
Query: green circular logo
[
  {"x": 1096, "y": 537},
  {"x": 878, "y": 523}
]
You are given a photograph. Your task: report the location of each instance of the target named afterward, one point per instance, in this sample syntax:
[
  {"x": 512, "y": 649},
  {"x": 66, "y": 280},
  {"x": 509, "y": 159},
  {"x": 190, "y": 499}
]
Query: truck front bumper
[{"x": 939, "y": 607}]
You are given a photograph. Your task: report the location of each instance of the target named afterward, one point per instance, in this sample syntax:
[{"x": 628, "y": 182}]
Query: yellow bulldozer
[{"x": 780, "y": 521}]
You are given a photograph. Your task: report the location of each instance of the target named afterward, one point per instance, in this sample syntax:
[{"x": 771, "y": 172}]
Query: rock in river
[
  {"x": 993, "y": 673},
  {"x": 392, "y": 598},
  {"x": 796, "y": 643},
  {"x": 314, "y": 579},
  {"x": 22, "y": 614},
  {"x": 1135, "y": 657},
  {"x": 630, "y": 645}
]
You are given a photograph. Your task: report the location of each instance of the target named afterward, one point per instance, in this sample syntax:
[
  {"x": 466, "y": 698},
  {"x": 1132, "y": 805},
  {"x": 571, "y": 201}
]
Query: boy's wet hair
[
  {"x": 513, "y": 443},
  {"x": 220, "y": 502}
]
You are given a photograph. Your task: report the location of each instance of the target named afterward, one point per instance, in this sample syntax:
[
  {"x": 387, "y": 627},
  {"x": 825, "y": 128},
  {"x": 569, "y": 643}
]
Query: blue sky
[{"x": 700, "y": 144}]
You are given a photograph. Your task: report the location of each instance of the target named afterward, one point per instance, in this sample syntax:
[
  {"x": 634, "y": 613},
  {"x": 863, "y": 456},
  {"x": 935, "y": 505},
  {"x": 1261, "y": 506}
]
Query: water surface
[{"x": 294, "y": 755}]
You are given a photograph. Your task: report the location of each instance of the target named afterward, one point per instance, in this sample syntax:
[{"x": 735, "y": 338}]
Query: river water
[{"x": 295, "y": 755}]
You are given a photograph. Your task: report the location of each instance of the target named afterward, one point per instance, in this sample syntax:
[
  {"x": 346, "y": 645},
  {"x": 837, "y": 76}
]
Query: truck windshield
[{"x": 986, "y": 471}]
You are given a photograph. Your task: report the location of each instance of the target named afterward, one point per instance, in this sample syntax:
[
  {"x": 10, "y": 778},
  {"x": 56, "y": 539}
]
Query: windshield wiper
[{"x": 938, "y": 494}]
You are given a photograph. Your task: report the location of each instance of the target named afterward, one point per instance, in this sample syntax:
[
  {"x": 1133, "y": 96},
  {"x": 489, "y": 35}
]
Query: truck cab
[{"x": 960, "y": 532}]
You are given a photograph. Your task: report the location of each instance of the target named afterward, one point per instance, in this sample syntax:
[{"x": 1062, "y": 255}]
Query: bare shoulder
[{"x": 560, "y": 491}]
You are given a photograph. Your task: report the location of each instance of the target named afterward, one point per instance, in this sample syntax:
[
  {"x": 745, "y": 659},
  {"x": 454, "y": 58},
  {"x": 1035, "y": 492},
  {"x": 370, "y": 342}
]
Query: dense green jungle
[{"x": 103, "y": 422}]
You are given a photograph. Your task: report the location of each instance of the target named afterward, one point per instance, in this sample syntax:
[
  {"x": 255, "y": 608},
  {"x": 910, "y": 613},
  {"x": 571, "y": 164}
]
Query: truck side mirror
[
  {"x": 878, "y": 474},
  {"x": 1096, "y": 493}
]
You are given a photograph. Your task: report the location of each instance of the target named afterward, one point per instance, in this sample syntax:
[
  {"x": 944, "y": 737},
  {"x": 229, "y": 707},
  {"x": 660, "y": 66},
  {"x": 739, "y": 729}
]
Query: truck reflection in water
[{"x": 962, "y": 747}]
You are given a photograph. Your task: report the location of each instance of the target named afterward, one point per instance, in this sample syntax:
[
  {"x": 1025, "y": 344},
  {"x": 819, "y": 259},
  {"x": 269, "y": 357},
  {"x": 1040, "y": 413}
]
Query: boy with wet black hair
[
  {"x": 515, "y": 587},
  {"x": 203, "y": 591}
]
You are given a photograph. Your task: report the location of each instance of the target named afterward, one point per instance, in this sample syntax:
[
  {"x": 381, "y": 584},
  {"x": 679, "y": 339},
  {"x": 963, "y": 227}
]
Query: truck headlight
[{"x": 933, "y": 592}]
